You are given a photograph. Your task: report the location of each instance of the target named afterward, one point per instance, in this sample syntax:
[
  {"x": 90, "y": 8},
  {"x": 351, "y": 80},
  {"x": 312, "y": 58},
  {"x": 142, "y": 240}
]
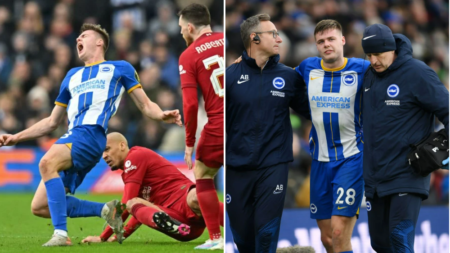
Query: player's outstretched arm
[
  {"x": 37, "y": 130},
  {"x": 152, "y": 110}
]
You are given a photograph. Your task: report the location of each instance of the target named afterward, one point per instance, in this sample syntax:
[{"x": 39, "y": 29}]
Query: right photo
[{"x": 336, "y": 120}]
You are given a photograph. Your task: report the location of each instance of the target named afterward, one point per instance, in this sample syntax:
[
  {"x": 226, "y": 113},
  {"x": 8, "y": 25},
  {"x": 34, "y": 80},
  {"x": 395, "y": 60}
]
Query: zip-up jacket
[
  {"x": 400, "y": 104},
  {"x": 258, "y": 126}
]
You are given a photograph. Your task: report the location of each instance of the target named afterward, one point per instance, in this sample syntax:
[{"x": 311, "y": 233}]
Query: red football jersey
[
  {"x": 202, "y": 64},
  {"x": 161, "y": 182}
]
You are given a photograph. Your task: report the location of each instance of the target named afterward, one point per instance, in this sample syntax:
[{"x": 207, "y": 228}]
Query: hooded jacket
[
  {"x": 400, "y": 104},
  {"x": 258, "y": 126}
]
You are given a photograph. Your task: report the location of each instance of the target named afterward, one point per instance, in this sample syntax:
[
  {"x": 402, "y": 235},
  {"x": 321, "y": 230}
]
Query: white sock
[{"x": 60, "y": 232}]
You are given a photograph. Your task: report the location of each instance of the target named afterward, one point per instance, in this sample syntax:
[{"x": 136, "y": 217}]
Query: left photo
[{"x": 112, "y": 112}]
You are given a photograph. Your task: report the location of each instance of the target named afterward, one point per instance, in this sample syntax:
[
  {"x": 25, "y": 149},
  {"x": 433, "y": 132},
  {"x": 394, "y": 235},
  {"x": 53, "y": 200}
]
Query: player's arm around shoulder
[
  {"x": 232, "y": 74},
  {"x": 299, "y": 102}
]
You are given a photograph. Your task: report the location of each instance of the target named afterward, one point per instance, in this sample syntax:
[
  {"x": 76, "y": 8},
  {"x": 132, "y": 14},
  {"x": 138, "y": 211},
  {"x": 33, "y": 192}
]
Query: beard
[
  {"x": 188, "y": 40},
  {"x": 113, "y": 168}
]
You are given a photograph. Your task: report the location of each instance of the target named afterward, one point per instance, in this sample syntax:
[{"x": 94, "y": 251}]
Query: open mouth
[{"x": 80, "y": 48}]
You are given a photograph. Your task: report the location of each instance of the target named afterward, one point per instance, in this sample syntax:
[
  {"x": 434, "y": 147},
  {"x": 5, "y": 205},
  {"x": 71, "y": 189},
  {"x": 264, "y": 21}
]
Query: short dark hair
[
  {"x": 248, "y": 27},
  {"x": 98, "y": 29},
  {"x": 327, "y": 24},
  {"x": 196, "y": 14}
]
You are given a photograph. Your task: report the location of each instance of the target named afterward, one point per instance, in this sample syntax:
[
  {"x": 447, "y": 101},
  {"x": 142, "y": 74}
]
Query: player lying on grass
[{"x": 157, "y": 194}]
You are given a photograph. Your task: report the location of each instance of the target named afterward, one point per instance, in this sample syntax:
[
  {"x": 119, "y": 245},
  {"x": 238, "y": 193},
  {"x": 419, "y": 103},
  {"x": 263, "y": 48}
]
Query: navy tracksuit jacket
[
  {"x": 400, "y": 104},
  {"x": 259, "y": 147}
]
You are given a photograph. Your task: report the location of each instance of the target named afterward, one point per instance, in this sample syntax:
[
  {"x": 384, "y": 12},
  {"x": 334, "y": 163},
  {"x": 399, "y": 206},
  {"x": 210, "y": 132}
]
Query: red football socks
[
  {"x": 144, "y": 214},
  {"x": 221, "y": 213},
  {"x": 209, "y": 205}
]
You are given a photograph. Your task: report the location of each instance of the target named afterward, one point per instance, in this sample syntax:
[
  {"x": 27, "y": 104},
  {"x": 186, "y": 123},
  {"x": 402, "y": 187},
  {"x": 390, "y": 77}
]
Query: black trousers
[
  {"x": 392, "y": 222},
  {"x": 255, "y": 201}
]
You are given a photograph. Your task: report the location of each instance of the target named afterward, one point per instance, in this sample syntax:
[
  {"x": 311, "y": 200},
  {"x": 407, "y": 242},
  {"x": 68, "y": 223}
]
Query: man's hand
[
  {"x": 92, "y": 239},
  {"x": 172, "y": 117},
  {"x": 445, "y": 163},
  {"x": 8, "y": 140},
  {"x": 188, "y": 156},
  {"x": 238, "y": 60}
]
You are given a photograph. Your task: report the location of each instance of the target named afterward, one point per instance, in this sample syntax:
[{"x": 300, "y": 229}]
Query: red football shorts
[{"x": 210, "y": 150}]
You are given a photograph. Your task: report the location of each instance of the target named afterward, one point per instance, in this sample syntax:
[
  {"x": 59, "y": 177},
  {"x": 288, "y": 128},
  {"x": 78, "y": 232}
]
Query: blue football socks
[
  {"x": 83, "y": 208},
  {"x": 56, "y": 196}
]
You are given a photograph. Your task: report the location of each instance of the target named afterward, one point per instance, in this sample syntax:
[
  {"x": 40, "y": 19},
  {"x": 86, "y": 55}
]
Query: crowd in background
[
  {"x": 38, "y": 47},
  {"x": 425, "y": 23}
]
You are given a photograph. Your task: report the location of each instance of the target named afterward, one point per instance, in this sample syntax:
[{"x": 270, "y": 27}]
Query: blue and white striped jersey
[
  {"x": 335, "y": 99},
  {"x": 92, "y": 93}
]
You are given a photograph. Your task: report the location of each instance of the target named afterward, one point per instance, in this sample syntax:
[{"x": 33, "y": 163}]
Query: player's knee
[
  {"x": 326, "y": 241},
  {"x": 131, "y": 203},
  {"x": 336, "y": 233},
  {"x": 39, "y": 212},
  {"x": 45, "y": 166}
]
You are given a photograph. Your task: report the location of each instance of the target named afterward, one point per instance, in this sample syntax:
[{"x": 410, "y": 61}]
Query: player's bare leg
[
  {"x": 209, "y": 204},
  {"x": 342, "y": 228},
  {"x": 154, "y": 217},
  {"x": 192, "y": 202},
  {"x": 58, "y": 158},
  {"x": 50, "y": 201},
  {"x": 326, "y": 234},
  {"x": 39, "y": 204}
]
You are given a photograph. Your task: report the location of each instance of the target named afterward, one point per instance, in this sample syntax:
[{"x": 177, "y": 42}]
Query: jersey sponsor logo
[
  {"x": 278, "y": 83},
  {"x": 129, "y": 167},
  {"x": 368, "y": 205},
  {"x": 243, "y": 79},
  {"x": 278, "y": 189},
  {"x": 314, "y": 78},
  {"x": 313, "y": 208},
  {"x": 393, "y": 90},
  {"x": 182, "y": 71},
  {"x": 277, "y": 93},
  {"x": 349, "y": 79},
  {"x": 88, "y": 86},
  {"x": 106, "y": 69},
  {"x": 208, "y": 45},
  {"x": 331, "y": 102},
  {"x": 228, "y": 198}
]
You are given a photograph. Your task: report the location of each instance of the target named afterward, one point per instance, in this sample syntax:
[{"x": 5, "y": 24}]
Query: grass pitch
[{"x": 20, "y": 231}]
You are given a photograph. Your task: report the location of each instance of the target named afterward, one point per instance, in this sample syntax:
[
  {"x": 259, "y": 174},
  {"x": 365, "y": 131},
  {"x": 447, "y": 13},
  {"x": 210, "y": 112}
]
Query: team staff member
[
  {"x": 259, "y": 92},
  {"x": 401, "y": 97}
]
